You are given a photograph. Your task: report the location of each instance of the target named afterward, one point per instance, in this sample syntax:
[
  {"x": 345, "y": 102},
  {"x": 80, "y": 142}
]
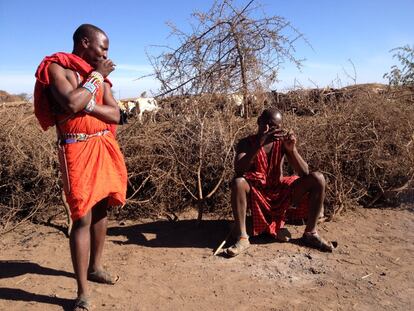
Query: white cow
[
  {"x": 122, "y": 105},
  {"x": 141, "y": 105},
  {"x": 237, "y": 100},
  {"x": 130, "y": 107}
]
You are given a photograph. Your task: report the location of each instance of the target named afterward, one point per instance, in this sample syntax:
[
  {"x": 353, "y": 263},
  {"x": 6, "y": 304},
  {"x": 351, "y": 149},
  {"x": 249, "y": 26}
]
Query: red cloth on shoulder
[
  {"x": 94, "y": 169},
  {"x": 42, "y": 106}
]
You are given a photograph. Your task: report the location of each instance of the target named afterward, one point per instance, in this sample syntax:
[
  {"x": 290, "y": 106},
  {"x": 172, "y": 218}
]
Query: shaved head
[
  {"x": 270, "y": 113},
  {"x": 86, "y": 30},
  {"x": 91, "y": 44},
  {"x": 270, "y": 118}
]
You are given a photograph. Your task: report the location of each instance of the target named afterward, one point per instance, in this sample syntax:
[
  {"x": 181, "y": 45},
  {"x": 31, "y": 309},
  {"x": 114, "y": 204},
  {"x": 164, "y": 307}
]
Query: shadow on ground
[
  {"x": 183, "y": 233},
  {"x": 14, "y": 268},
  {"x": 22, "y": 295},
  {"x": 174, "y": 234}
]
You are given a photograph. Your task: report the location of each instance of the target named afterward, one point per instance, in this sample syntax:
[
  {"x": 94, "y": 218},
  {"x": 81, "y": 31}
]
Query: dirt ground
[{"x": 169, "y": 266}]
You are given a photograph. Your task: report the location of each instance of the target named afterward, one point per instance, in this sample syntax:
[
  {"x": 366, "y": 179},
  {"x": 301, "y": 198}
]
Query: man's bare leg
[
  {"x": 79, "y": 242},
  {"x": 239, "y": 191},
  {"x": 314, "y": 184},
  {"x": 98, "y": 233},
  {"x": 99, "y": 225}
]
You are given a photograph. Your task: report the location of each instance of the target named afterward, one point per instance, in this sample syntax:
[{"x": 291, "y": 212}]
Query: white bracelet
[{"x": 90, "y": 106}]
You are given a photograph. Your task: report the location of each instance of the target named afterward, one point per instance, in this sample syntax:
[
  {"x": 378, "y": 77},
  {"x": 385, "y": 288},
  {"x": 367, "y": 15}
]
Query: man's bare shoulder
[
  {"x": 55, "y": 68},
  {"x": 245, "y": 143},
  {"x": 58, "y": 74}
]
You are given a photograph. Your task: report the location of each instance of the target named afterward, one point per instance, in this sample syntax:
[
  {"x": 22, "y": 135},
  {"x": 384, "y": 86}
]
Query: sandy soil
[{"x": 169, "y": 266}]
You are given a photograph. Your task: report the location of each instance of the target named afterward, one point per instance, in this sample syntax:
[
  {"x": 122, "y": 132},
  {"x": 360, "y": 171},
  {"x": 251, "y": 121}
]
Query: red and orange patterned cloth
[
  {"x": 271, "y": 193},
  {"x": 94, "y": 169}
]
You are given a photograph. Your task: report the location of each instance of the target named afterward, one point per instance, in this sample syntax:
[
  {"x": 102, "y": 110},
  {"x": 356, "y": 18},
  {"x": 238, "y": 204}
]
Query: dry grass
[
  {"x": 362, "y": 141},
  {"x": 364, "y": 146},
  {"x": 29, "y": 171}
]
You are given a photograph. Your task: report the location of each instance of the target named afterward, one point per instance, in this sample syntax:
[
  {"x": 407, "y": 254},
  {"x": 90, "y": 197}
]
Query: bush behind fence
[{"x": 363, "y": 144}]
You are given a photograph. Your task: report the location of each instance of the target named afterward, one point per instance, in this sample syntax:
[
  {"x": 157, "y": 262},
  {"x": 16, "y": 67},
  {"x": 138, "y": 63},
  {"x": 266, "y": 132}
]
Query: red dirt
[{"x": 169, "y": 266}]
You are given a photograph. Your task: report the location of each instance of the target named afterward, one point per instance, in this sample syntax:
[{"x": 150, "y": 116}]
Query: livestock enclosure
[{"x": 361, "y": 138}]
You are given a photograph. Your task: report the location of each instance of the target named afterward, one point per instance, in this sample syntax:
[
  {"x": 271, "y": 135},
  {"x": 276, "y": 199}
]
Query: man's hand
[
  {"x": 270, "y": 135},
  {"x": 289, "y": 141},
  {"x": 105, "y": 67}
]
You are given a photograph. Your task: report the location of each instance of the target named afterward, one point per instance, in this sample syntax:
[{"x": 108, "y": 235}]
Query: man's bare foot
[
  {"x": 283, "y": 235},
  {"x": 82, "y": 304},
  {"x": 239, "y": 247},
  {"x": 103, "y": 277},
  {"x": 314, "y": 240}
]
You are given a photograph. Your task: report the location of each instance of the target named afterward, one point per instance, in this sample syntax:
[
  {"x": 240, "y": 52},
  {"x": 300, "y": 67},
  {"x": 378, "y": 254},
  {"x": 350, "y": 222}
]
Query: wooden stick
[
  {"x": 220, "y": 247},
  {"x": 21, "y": 280},
  {"x": 224, "y": 242},
  {"x": 365, "y": 276}
]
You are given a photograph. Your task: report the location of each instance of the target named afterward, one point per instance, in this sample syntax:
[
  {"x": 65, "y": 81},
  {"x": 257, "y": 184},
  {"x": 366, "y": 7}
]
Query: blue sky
[{"x": 341, "y": 33}]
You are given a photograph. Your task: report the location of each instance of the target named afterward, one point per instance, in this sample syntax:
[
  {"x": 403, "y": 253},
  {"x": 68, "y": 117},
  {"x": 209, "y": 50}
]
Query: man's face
[
  {"x": 272, "y": 123},
  {"x": 96, "y": 48}
]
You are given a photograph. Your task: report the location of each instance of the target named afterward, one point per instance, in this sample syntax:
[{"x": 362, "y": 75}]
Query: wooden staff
[{"x": 224, "y": 242}]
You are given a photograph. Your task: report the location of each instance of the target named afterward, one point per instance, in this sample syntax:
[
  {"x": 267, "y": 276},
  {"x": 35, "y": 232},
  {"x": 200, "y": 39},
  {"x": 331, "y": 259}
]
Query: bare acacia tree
[{"x": 228, "y": 49}]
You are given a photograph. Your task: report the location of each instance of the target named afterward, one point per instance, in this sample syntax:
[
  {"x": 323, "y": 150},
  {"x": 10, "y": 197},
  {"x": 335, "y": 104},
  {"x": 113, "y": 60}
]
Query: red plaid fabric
[{"x": 271, "y": 193}]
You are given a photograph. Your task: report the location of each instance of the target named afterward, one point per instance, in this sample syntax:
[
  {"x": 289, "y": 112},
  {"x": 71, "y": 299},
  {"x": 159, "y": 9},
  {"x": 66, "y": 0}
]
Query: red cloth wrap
[
  {"x": 42, "y": 106},
  {"x": 94, "y": 169},
  {"x": 271, "y": 193}
]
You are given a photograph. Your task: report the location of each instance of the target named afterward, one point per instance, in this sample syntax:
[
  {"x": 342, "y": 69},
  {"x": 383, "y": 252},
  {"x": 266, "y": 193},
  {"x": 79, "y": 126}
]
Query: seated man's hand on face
[
  {"x": 289, "y": 141},
  {"x": 272, "y": 134}
]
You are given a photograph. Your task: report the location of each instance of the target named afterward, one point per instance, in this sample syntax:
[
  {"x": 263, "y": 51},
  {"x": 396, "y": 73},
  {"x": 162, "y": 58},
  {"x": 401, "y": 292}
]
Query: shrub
[
  {"x": 363, "y": 142},
  {"x": 403, "y": 75}
]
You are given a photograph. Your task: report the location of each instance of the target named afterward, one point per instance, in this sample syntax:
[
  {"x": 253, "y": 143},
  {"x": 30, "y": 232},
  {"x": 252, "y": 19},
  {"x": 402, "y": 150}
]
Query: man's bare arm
[
  {"x": 74, "y": 99},
  {"x": 298, "y": 163},
  {"x": 69, "y": 97},
  {"x": 245, "y": 156},
  {"x": 293, "y": 156},
  {"x": 246, "y": 153},
  {"x": 109, "y": 111}
]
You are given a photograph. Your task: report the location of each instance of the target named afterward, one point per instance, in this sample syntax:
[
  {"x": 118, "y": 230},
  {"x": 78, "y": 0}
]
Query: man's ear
[
  {"x": 259, "y": 119},
  {"x": 85, "y": 42}
]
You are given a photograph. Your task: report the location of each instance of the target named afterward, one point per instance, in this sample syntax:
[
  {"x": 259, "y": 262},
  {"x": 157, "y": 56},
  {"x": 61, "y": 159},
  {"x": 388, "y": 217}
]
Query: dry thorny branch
[
  {"x": 363, "y": 143},
  {"x": 228, "y": 50}
]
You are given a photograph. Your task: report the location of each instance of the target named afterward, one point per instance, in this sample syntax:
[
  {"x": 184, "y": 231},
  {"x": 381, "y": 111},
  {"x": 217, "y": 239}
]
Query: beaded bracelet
[
  {"x": 93, "y": 82},
  {"x": 90, "y": 106}
]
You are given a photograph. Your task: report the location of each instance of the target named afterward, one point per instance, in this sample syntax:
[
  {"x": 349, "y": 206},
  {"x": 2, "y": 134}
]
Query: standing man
[
  {"x": 73, "y": 93},
  {"x": 259, "y": 183}
]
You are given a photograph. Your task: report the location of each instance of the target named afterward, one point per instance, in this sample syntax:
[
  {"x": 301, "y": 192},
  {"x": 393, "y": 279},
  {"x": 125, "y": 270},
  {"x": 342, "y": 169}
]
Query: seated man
[{"x": 273, "y": 198}]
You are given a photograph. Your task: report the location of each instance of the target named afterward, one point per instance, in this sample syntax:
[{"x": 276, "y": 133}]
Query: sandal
[
  {"x": 316, "y": 241},
  {"x": 283, "y": 235},
  {"x": 82, "y": 303},
  {"x": 103, "y": 277},
  {"x": 239, "y": 247}
]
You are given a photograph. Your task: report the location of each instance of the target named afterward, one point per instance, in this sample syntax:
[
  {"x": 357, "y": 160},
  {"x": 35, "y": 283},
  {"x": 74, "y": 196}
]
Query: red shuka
[
  {"x": 94, "y": 169},
  {"x": 271, "y": 193}
]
